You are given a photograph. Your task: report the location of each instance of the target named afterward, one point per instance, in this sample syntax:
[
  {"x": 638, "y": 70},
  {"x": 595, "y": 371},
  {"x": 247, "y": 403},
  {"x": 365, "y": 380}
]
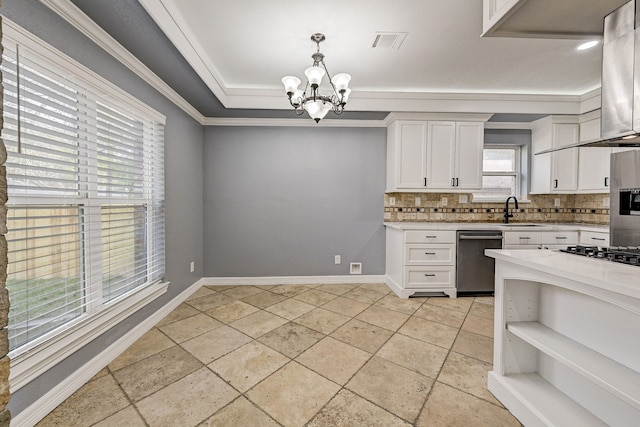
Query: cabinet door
[
  {"x": 441, "y": 139},
  {"x": 469, "y": 145},
  {"x": 564, "y": 169},
  {"x": 412, "y": 139},
  {"x": 593, "y": 169}
]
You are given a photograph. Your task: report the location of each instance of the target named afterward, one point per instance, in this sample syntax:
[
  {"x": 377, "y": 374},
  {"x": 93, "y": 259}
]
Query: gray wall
[
  {"x": 283, "y": 201},
  {"x": 183, "y": 176}
]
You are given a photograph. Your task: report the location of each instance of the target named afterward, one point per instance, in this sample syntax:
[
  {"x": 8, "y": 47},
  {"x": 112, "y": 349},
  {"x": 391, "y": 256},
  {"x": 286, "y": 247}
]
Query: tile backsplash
[{"x": 451, "y": 207}]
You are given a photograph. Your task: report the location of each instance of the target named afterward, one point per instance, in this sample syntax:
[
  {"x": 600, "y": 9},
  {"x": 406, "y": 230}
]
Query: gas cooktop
[{"x": 625, "y": 255}]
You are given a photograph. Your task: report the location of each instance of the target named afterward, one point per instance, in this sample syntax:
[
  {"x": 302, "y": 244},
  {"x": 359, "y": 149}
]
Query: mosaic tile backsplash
[{"x": 446, "y": 207}]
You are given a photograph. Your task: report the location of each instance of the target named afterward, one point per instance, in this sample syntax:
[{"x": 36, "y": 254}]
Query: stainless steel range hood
[{"x": 620, "y": 113}]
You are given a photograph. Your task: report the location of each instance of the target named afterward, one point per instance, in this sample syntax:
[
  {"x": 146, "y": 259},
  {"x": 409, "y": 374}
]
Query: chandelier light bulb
[
  {"x": 317, "y": 109},
  {"x": 291, "y": 84},
  {"x": 314, "y": 75},
  {"x": 341, "y": 81}
]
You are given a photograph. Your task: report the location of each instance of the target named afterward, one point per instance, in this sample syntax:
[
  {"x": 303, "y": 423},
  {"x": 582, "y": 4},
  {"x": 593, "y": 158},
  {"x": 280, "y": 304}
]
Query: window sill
[{"x": 32, "y": 360}]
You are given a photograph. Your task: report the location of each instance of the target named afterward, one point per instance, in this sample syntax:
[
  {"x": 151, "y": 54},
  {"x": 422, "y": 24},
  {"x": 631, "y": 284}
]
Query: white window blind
[{"x": 85, "y": 176}]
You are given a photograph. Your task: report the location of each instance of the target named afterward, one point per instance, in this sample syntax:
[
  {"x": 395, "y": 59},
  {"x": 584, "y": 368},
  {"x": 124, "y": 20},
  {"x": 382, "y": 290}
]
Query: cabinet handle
[
  {"x": 453, "y": 182},
  {"x": 598, "y": 238},
  {"x": 524, "y": 238},
  {"x": 430, "y": 275},
  {"x": 429, "y": 253},
  {"x": 606, "y": 181},
  {"x": 425, "y": 182},
  {"x": 430, "y": 237},
  {"x": 561, "y": 238},
  {"x": 457, "y": 185},
  {"x": 555, "y": 183}
]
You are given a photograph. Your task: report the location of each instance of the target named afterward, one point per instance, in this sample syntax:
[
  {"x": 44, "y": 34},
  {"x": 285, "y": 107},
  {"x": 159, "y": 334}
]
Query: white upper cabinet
[
  {"x": 454, "y": 154},
  {"x": 564, "y": 163},
  {"x": 434, "y": 155},
  {"x": 555, "y": 172},
  {"x": 441, "y": 148},
  {"x": 406, "y": 155},
  {"x": 593, "y": 162}
]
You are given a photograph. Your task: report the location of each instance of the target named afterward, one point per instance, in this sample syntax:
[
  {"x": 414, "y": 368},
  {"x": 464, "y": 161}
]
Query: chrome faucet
[{"x": 507, "y": 215}]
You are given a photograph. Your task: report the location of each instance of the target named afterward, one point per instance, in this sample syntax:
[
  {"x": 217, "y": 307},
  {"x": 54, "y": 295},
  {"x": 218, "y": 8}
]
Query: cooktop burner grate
[{"x": 624, "y": 255}]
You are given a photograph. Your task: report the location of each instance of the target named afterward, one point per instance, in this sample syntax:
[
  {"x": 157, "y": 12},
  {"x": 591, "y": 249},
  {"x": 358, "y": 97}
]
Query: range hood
[{"x": 620, "y": 113}]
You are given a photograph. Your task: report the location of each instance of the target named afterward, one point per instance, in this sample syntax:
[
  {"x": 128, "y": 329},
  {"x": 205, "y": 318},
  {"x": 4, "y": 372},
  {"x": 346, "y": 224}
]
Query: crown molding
[
  {"x": 74, "y": 16},
  {"x": 343, "y": 123},
  {"x": 171, "y": 23},
  {"x": 271, "y": 99},
  {"x": 508, "y": 125}
]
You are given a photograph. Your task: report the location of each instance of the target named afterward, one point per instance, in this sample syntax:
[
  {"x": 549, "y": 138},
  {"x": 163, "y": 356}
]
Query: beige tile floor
[{"x": 301, "y": 355}]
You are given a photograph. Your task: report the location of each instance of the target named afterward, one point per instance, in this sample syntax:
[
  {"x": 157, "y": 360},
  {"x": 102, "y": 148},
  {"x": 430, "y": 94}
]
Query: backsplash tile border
[{"x": 574, "y": 208}]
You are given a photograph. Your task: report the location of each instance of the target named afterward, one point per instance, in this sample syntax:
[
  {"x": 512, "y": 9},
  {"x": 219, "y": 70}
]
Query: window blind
[{"x": 85, "y": 176}]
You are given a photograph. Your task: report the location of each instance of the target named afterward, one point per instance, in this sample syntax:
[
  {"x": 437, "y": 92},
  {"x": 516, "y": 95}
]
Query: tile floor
[{"x": 301, "y": 355}]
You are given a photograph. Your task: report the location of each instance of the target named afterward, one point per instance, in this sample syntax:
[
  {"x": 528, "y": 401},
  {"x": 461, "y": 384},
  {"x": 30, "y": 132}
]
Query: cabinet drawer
[
  {"x": 429, "y": 254},
  {"x": 560, "y": 237},
  {"x": 429, "y": 277},
  {"x": 522, "y": 238},
  {"x": 430, "y": 236},
  {"x": 593, "y": 238}
]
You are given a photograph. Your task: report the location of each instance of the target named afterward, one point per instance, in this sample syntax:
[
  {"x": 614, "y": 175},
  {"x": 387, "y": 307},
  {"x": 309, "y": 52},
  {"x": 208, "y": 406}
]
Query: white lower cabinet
[
  {"x": 540, "y": 239},
  {"x": 565, "y": 349},
  {"x": 594, "y": 238},
  {"x": 421, "y": 261}
]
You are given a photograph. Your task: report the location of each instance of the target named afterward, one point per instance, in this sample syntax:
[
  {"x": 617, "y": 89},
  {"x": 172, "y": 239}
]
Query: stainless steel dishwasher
[{"x": 474, "y": 270}]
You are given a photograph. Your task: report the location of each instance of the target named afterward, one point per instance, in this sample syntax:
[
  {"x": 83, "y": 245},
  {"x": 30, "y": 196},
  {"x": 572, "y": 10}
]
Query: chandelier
[{"x": 313, "y": 103}]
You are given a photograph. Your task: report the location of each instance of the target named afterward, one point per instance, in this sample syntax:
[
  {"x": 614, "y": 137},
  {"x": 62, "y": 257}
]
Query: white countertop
[
  {"x": 603, "y": 274},
  {"x": 495, "y": 226}
]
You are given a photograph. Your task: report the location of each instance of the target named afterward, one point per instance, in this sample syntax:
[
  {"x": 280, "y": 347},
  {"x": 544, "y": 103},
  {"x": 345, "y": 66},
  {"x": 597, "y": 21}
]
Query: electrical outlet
[
  {"x": 337, "y": 259},
  {"x": 444, "y": 201},
  {"x": 463, "y": 198},
  {"x": 556, "y": 202},
  {"x": 392, "y": 201},
  {"x": 192, "y": 266},
  {"x": 418, "y": 201}
]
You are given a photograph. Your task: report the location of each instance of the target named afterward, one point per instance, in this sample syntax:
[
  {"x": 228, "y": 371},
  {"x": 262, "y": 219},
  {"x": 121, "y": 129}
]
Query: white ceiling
[{"x": 241, "y": 49}]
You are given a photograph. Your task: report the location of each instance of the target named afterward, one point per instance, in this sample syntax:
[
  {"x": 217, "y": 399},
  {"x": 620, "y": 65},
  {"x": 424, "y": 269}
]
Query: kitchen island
[{"x": 566, "y": 339}]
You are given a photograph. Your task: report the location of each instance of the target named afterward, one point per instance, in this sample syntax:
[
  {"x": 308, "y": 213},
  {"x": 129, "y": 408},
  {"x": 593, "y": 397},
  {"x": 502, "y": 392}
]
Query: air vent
[{"x": 387, "y": 40}]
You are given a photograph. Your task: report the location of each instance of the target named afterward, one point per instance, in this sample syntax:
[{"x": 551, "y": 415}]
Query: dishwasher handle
[{"x": 475, "y": 237}]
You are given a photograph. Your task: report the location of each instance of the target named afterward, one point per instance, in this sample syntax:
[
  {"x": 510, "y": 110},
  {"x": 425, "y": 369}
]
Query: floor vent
[{"x": 387, "y": 40}]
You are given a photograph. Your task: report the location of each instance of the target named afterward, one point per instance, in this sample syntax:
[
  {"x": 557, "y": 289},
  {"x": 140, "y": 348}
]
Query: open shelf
[
  {"x": 534, "y": 393},
  {"x": 610, "y": 375}
]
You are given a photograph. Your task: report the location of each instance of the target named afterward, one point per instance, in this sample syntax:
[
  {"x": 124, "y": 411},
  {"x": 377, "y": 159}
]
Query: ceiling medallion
[{"x": 315, "y": 104}]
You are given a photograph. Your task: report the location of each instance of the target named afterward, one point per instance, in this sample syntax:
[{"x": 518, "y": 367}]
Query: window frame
[
  {"x": 37, "y": 356},
  {"x": 517, "y": 173}
]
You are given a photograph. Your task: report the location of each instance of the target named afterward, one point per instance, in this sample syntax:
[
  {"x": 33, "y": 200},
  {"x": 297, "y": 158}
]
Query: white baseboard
[
  {"x": 292, "y": 280},
  {"x": 54, "y": 397}
]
